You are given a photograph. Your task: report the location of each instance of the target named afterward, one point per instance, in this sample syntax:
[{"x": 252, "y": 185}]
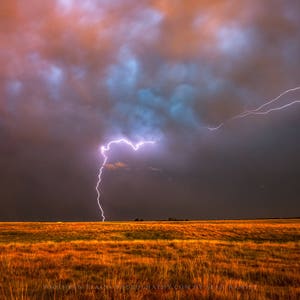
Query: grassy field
[{"x": 257, "y": 259}]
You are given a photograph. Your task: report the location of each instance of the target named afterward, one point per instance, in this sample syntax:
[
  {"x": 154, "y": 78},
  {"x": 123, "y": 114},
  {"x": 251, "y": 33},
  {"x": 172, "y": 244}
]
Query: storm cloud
[{"x": 74, "y": 74}]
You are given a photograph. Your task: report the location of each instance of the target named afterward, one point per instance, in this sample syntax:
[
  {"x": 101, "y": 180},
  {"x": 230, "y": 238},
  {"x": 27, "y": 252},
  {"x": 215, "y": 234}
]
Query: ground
[{"x": 246, "y": 259}]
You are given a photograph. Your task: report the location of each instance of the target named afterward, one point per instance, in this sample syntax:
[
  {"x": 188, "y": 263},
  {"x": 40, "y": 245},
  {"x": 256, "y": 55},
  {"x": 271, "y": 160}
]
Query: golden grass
[{"x": 151, "y": 260}]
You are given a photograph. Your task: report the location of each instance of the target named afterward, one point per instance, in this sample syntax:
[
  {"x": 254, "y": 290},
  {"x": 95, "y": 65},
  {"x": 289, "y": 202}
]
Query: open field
[{"x": 257, "y": 259}]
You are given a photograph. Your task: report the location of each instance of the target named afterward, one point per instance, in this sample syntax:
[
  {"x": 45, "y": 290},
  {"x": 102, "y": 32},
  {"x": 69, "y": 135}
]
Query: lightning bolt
[
  {"x": 261, "y": 110},
  {"x": 105, "y": 154}
]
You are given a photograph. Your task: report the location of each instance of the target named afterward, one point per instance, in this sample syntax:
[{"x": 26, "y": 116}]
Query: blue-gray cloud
[{"x": 75, "y": 73}]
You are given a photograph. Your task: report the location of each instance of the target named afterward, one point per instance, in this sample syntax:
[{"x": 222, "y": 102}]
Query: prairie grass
[{"x": 257, "y": 259}]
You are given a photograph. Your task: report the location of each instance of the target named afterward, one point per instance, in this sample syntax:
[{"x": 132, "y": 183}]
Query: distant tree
[{"x": 175, "y": 219}]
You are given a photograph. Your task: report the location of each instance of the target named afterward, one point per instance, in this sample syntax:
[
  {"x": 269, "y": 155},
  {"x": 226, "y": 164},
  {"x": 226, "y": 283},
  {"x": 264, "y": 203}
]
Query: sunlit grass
[{"x": 151, "y": 260}]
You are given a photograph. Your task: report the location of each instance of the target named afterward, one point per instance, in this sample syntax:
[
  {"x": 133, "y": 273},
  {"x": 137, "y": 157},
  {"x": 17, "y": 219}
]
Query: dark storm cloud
[{"x": 75, "y": 73}]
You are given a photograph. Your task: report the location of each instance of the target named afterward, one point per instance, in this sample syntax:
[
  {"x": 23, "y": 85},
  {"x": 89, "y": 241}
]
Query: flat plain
[{"x": 241, "y": 259}]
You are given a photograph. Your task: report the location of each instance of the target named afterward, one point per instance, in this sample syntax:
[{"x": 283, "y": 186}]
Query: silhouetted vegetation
[{"x": 175, "y": 219}]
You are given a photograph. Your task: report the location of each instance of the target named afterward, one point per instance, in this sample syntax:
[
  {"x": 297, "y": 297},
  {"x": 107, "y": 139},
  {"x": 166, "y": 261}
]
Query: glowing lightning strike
[
  {"x": 259, "y": 110},
  {"x": 104, "y": 151}
]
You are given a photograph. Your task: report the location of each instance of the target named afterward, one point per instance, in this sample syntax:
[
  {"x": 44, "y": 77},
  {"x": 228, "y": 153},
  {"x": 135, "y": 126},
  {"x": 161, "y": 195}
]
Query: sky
[{"x": 75, "y": 74}]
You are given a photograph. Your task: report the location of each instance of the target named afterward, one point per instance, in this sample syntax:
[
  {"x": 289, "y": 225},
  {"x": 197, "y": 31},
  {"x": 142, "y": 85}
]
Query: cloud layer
[{"x": 74, "y": 74}]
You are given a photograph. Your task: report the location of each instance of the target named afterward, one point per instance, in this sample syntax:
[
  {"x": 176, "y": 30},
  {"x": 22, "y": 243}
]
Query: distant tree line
[{"x": 169, "y": 219}]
